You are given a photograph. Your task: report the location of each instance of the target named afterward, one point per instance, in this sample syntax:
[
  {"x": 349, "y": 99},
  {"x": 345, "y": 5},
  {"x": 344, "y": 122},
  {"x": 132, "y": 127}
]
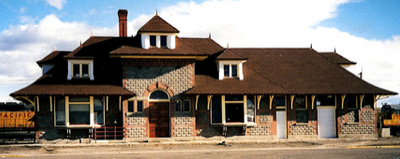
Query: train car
[
  {"x": 16, "y": 115},
  {"x": 391, "y": 115},
  {"x": 17, "y": 123}
]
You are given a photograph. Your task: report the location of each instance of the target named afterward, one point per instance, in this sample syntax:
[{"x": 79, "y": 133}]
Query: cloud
[
  {"x": 255, "y": 23},
  {"x": 56, "y": 3},
  {"x": 22, "y": 45},
  {"x": 241, "y": 23}
]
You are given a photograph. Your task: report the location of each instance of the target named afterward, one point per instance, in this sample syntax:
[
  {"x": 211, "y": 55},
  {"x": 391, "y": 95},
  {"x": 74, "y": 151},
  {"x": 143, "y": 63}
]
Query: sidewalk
[{"x": 392, "y": 142}]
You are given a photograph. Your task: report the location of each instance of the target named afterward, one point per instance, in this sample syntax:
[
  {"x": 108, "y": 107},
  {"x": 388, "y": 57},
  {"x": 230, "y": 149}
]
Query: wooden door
[{"x": 159, "y": 119}]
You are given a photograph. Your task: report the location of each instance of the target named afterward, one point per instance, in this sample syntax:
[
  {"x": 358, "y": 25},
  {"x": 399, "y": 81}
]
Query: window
[
  {"x": 250, "y": 109},
  {"x": 186, "y": 105},
  {"x": 159, "y": 95},
  {"x": 139, "y": 106},
  {"x": 130, "y": 106},
  {"x": 60, "y": 111},
  {"x": 178, "y": 105},
  {"x": 153, "y": 40},
  {"x": 81, "y": 111},
  {"x": 301, "y": 109},
  {"x": 350, "y": 102},
  {"x": 230, "y": 70},
  {"x": 280, "y": 101},
  {"x": 325, "y": 100},
  {"x": 98, "y": 111},
  {"x": 235, "y": 108},
  {"x": 216, "y": 109},
  {"x": 80, "y": 69},
  {"x": 163, "y": 41}
]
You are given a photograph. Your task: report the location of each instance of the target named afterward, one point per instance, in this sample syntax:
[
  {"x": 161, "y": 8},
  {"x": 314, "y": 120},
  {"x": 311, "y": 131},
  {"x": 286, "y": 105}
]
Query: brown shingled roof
[
  {"x": 72, "y": 90},
  {"x": 158, "y": 25},
  {"x": 336, "y": 58},
  {"x": 228, "y": 54},
  {"x": 53, "y": 57},
  {"x": 296, "y": 71},
  {"x": 184, "y": 47}
]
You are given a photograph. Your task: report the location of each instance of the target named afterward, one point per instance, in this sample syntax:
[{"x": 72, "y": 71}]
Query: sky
[{"x": 364, "y": 31}]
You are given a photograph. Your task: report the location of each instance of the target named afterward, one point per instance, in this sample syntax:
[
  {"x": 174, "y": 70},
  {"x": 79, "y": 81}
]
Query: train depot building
[{"x": 157, "y": 84}]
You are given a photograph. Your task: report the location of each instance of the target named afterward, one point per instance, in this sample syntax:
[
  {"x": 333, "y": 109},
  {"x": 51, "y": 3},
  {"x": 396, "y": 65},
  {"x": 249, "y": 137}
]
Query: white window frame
[
  {"x": 91, "y": 110},
  {"x": 230, "y": 63},
  {"x": 145, "y": 39},
  {"x": 71, "y": 64}
]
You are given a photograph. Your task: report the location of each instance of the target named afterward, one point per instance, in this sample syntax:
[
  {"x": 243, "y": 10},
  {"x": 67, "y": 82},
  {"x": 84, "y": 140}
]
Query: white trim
[
  {"x": 37, "y": 103},
  {"x": 119, "y": 103},
  {"x": 271, "y": 99},
  {"x": 197, "y": 101},
  {"x": 291, "y": 101},
  {"x": 90, "y": 64},
  {"x": 145, "y": 39},
  {"x": 343, "y": 98},
  {"x": 312, "y": 101},
  {"x": 208, "y": 101},
  {"x": 239, "y": 64}
]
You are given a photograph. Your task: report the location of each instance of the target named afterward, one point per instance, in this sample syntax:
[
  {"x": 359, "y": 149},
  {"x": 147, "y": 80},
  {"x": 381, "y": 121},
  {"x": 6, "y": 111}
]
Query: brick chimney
[{"x": 122, "y": 16}]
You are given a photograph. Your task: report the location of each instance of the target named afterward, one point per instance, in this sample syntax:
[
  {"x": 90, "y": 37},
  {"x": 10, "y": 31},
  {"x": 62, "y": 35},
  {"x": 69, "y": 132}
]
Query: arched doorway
[{"x": 158, "y": 114}]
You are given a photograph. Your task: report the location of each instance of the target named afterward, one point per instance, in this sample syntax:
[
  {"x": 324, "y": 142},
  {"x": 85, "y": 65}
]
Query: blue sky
[{"x": 365, "y": 31}]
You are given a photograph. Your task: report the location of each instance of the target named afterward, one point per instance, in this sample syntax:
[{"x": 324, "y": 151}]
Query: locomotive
[{"x": 391, "y": 118}]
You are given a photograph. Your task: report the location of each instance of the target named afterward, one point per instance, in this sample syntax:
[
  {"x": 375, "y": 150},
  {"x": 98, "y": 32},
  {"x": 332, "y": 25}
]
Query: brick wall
[
  {"x": 138, "y": 75},
  {"x": 142, "y": 76},
  {"x": 366, "y": 124}
]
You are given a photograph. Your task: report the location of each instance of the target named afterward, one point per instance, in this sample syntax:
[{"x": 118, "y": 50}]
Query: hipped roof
[{"x": 284, "y": 71}]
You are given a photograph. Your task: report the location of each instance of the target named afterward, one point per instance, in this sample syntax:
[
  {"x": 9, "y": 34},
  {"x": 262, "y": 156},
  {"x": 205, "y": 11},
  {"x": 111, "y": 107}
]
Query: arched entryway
[{"x": 159, "y": 114}]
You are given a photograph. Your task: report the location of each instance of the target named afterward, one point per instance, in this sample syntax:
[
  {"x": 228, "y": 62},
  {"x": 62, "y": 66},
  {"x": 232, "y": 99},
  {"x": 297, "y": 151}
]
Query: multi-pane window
[
  {"x": 182, "y": 106},
  {"x": 235, "y": 109},
  {"x": 131, "y": 106},
  {"x": 231, "y": 70},
  {"x": 79, "y": 110},
  {"x": 80, "y": 70},
  {"x": 73, "y": 111}
]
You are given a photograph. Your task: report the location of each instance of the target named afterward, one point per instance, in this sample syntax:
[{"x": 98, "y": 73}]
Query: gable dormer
[
  {"x": 157, "y": 33},
  {"x": 230, "y": 65}
]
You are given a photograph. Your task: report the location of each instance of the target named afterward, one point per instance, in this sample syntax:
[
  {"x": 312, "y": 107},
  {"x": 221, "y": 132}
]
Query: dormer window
[
  {"x": 158, "y": 41},
  {"x": 230, "y": 69},
  {"x": 80, "y": 69},
  {"x": 153, "y": 41}
]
